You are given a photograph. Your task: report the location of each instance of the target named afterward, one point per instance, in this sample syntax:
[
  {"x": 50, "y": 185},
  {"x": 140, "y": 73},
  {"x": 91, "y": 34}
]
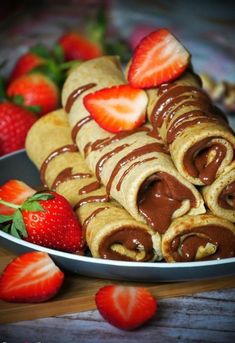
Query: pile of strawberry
[
  {"x": 47, "y": 219},
  {"x": 34, "y": 85}
]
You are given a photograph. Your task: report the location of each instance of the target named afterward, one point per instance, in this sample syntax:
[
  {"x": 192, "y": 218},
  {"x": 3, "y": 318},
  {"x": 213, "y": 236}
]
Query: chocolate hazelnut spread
[
  {"x": 90, "y": 217},
  {"x": 226, "y": 198},
  {"x": 75, "y": 94},
  {"x": 184, "y": 249},
  {"x": 77, "y": 127},
  {"x": 159, "y": 197},
  {"x": 66, "y": 175},
  {"x": 90, "y": 199},
  {"x": 195, "y": 160},
  {"x": 52, "y": 155},
  {"x": 90, "y": 187},
  {"x": 134, "y": 239},
  {"x": 145, "y": 149}
]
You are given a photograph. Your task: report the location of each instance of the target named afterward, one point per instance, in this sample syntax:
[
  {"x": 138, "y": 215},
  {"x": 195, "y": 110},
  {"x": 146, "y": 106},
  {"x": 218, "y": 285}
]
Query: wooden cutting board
[{"x": 77, "y": 294}]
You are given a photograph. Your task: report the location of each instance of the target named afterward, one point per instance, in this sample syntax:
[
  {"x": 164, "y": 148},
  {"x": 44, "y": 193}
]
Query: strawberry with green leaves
[
  {"x": 37, "y": 90},
  {"x": 32, "y": 278},
  {"x": 46, "y": 219},
  {"x": 125, "y": 307}
]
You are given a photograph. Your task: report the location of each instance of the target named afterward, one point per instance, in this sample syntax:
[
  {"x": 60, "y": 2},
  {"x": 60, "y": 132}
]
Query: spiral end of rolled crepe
[{"x": 198, "y": 238}]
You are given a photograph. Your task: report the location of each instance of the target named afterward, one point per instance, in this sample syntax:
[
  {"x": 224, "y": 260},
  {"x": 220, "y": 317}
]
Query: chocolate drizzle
[
  {"x": 52, "y": 155},
  {"x": 78, "y": 127},
  {"x": 91, "y": 199},
  {"x": 66, "y": 175},
  {"x": 75, "y": 94},
  {"x": 90, "y": 187}
]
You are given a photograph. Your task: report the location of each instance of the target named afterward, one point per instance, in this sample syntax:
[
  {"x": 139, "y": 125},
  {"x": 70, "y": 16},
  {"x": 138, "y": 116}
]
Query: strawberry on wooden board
[
  {"x": 14, "y": 191},
  {"x": 117, "y": 108},
  {"x": 125, "y": 307},
  {"x": 46, "y": 219},
  {"x": 15, "y": 121},
  {"x": 35, "y": 89},
  {"x": 76, "y": 46},
  {"x": 32, "y": 277},
  {"x": 158, "y": 58}
]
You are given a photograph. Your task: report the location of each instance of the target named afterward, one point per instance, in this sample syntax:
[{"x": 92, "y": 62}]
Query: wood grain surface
[{"x": 77, "y": 294}]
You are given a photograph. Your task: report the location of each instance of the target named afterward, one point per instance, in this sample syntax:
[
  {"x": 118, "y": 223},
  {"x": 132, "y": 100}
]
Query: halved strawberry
[
  {"x": 31, "y": 277},
  {"x": 125, "y": 307},
  {"x": 158, "y": 58},
  {"x": 14, "y": 191},
  {"x": 117, "y": 108}
]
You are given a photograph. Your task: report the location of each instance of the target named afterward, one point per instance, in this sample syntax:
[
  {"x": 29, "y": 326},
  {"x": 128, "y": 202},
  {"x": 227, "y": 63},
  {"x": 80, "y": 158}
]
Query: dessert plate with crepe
[{"x": 17, "y": 165}]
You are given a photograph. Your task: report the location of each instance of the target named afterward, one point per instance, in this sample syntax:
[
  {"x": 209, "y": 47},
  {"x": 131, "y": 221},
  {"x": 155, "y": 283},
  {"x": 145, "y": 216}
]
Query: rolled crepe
[
  {"x": 220, "y": 195},
  {"x": 134, "y": 166},
  {"x": 200, "y": 141},
  {"x": 110, "y": 232},
  {"x": 198, "y": 238}
]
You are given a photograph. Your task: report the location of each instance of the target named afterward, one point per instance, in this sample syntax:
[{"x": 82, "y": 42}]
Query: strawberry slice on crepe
[
  {"x": 117, "y": 108},
  {"x": 158, "y": 58},
  {"x": 16, "y": 192},
  {"x": 125, "y": 307},
  {"x": 31, "y": 277}
]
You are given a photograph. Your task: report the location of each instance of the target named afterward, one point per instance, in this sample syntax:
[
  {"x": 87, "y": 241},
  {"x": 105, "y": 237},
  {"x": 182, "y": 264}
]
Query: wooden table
[{"x": 192, "y": 316}]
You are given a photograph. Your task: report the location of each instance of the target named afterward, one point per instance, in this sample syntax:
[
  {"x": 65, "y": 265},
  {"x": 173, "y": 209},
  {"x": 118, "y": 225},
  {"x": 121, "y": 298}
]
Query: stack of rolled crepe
[
  {"x": 137, "y": 170},
  {"x": 110, "y": 232},
  {"x": 134, "y": 166}
]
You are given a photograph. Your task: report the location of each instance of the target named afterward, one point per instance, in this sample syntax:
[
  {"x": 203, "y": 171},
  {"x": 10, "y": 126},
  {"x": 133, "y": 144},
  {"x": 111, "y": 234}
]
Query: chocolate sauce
[
  {"x": 145, "y": 149},
  {"x": 132, "y": 239},
  {"x": 66, "y": 175},
  {"x": 195, "y": 160},
  {"x": 91, "y": 199},
  {"x": 159, "y": 197},
  {"x": 90, "y": 218},
  {"x": 75, "y": 94},
  {"x": 90, "y": 187},
  {"x": 219, "y": 236},
  {"x": 52, "y": 155},
  {"x": 226, "y": 198},
  {"x": 106, "y": 157},
  {"x": 78, "y": 127}
]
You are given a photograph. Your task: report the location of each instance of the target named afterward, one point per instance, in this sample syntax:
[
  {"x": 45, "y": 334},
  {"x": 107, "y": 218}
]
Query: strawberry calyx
[{"x": 14, "y": 223}]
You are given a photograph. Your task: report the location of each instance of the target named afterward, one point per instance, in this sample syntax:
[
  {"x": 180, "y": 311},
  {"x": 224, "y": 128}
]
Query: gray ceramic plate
[{"x": 17, "y": 165}]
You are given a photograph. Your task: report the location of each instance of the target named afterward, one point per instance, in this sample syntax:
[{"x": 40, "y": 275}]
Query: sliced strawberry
[
  {"x": 158, "y": 58},
  {"x": 125, "y": 307},
  {"x": 32, "y": 277},
  {"x": 118, "y": 108},
  {"x": 14, "y": 191}
]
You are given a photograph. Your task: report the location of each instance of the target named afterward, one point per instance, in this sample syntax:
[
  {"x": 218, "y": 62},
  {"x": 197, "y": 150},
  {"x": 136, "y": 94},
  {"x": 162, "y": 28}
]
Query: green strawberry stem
[{"x": 9, "y": 204}]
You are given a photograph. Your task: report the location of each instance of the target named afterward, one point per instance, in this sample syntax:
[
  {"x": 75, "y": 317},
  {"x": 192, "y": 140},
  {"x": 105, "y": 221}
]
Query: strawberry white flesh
[
  {"x": 14, "y": 191},
  {"x": 158, "y": 58},
  {"x": 31, "y": 277},
  {"x": 117, "y": 108},
  {"x": 125, "y": 307}
]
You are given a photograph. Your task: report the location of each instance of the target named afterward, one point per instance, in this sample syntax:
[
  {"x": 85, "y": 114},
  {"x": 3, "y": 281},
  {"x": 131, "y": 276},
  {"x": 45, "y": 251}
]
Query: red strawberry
[
  {"x": 15, "y": 121},
  {"x": 25, "y": 64},
  {"x": 158, "y": 58},
  {"x": 78, "y": 47},
  {"x": 125, "y": 307},
  {"x": 36, "y": 90},
  {"x": 117, "y": 108},
  {"x": 32, "y": 277},
  {"x": 46, "y": 219},
  {"x": 14, "y": 191}
]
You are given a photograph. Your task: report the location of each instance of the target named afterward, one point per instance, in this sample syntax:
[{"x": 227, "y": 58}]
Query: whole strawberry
[
  {"x": 15, "y": 121},
  {"x": 35, "y": 89},
  {"x": 78, "y": 47},
  {"x": 46, "y": 219},
  {"x": 25, "y": 64}
]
